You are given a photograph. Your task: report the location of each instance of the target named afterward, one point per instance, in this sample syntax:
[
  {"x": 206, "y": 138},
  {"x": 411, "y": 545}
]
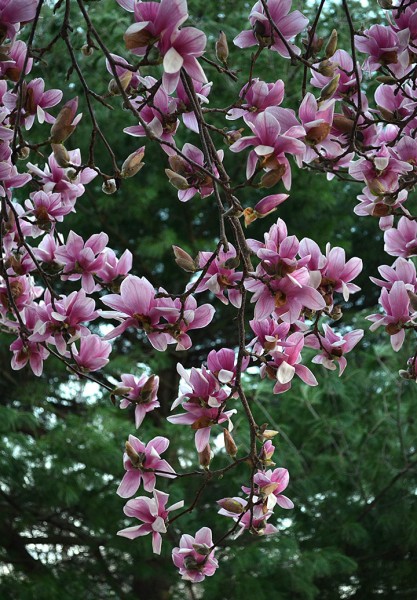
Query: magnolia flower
[
  {"x": 154, "y": 516},
  {"x": 194, "y": 557}
]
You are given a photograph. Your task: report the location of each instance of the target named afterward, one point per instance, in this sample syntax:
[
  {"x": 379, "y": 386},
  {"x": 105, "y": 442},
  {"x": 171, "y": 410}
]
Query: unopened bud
[
  {"x": 184, "y": 260},
  {"x": 109, "y": 186},
  {"x": 133, "y": 163},
  {"x": 222, "y": 49},
  {"x": 343, "y": 124},
  {"x": 249, "y": 215},
  {"x": 178, "y": 164},
  {"x": 148, "y": 389},
  {"x": 336, "y": 313},
  {"x": 132, "y": 454},
  {"x": 23, "y": 153},
  {"x": 232, "y": 262},
  {"x": 121, "y": 390},
  {"x": 376, "y": 187},
  {"x": 229, "y": 443},
  {"x": 329, "y": 89},
  {"x": 72, "y": 174},
  {"x": 326, "y": 68},
  {"x": 269, "y": 434},
  {"x": 271, "y": 178},
  {"x": 385, "y": 4},
  {"x": 124, "y": 81},
  {"x": 413, "y": 299},
  {"x": 136, "y": 36},
  {"x": 204, "y": 457},
  {"x": 87, "y": 50},
  {"x": 64, "y": 126},
  {"x": 405, "y": 374},
  {"x": 331, "y": 45},
  {"x": 233, "y": 136},
  {"x": 61, "y": 155},
  {"x": 178, "y": 181},
  {"x": 318, "y": 134},
  {"x": 388, "y": 79},
  {"x": 386, "y": 114},
  {"x": 231, "y": 505},
  {"x": 202, "y": 549}
]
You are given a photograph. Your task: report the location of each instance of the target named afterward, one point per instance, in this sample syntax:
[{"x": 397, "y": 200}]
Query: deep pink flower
[
  {"x": 269, "y": 485},
  {"x": 194, "y": 557},
  {"x": 143, "y": 394},
  {"x": 142, "y": 464},
  {"x": 289, "y": 24}
]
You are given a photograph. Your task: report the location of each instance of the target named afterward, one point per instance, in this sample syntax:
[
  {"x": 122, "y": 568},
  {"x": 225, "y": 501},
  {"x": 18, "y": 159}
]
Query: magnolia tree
[{"x": 288, "y": 294}]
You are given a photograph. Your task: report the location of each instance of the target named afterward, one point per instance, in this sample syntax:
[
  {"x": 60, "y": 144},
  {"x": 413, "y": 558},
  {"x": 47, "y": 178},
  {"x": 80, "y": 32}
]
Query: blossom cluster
[{"x": 287, "y": 290}]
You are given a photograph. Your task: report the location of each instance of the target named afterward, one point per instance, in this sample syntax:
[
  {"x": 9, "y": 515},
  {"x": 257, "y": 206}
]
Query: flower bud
[
  {"x": 124, "y": 80},
  {"x": 232, "y": 263},
  {"x": 231, "y": 505},
  {"x": 133, "y": 163},
  {"x": 184, "y": 260},
  {"x": 137, "y": 36},
  {"x": 233, "y": 136},
  {"x": 271, "y": 178},
  {"x": 405, "y": 374},
  {"x": 343, "y": 124},
  {"x": 87, "y": 50},
  {"x": 222, "y": 49},
  {"x": 178, "y": 164},
  {"x": 385, "y": 4},
  {"x": 178, "y": 181},
  {"x": 109, "y": 186},
  {"x": 61, "y": 155},
  {"x": 331, "y": 45},
  {"x": 121, "y": 390},
  {"x": 202, "y": 549},
  {"x": 413, "y": 299},
  {"x": 329, "y": 89},
  {"x": 23, "y": 153},
  {"x": 64, "y": 126},
  {"x": 229, "y": 443},
  {"x": 204, "y": 457},
  {"x": 250, "y": 216},
  {"x": 336, "y": 313},
  {"x": 326, "y": 68},
  {"x": 269, "y": 434},
  {"x": 132, "y": 454},
  {"x": 318, "y": 134},
  {"x": 72, "y": 174}
]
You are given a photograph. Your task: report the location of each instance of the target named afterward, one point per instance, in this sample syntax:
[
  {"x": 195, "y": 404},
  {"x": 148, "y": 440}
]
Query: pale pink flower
[
  {"x": 258, "y": 96},
  {"x": 93, "y": 353},
  {"x": 396, "y": 304},
  {"x": 333, "y": 347},
  {"x": 269, "y": 485},
  {"x": 36, "y": 101},
  {"x": 153, "y": 514}
]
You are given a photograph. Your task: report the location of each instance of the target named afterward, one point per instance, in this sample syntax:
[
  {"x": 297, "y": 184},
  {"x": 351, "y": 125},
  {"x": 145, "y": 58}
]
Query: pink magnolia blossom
[
  {"x": 25, "y": 351},
  {"x": 401, "y": 270},
  {"x": 142, "y": 463},
  {"x": 258, "y": 96},
  {"x": 222, "y": 364},
  {"x": 93, "y": 353},
  {"x": 194, "y": 558},
  {"x": 381, "y": 43},
  {"x": 15, "y": 12},
  {"x": 285, "y": 364},
  {"x": 134, "y": 306},
  {"x": 256, "y": 520},
  {"x": 181, "y": 51},
  {"x": 143, "y": 394},
  {"x": 341, "y": 64},
  {"x": 402, "y": 240},
  {"x": 221, "y": 276},
  {"x": 60, "y": 322},
  {"x": 269, "y": 485},
  {"x": 396, "y": 304},
  {"x": 337, "y": 274},
  {"x": 55, "y": 178},
  {"x": 197, "y": 181},
  {"x": 289, "y": 25},
  {"x": 275, "y": 134},
  {"x": 153, "y": 514},
  {"x": 36, "y": 101},
  {"x": 81, "y": 259},
  {"x": 333, "y": 347},
  {"x": 114, "y": 269}
]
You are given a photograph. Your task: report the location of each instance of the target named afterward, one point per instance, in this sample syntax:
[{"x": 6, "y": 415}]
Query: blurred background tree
[{"x": 349, "y": 444}]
